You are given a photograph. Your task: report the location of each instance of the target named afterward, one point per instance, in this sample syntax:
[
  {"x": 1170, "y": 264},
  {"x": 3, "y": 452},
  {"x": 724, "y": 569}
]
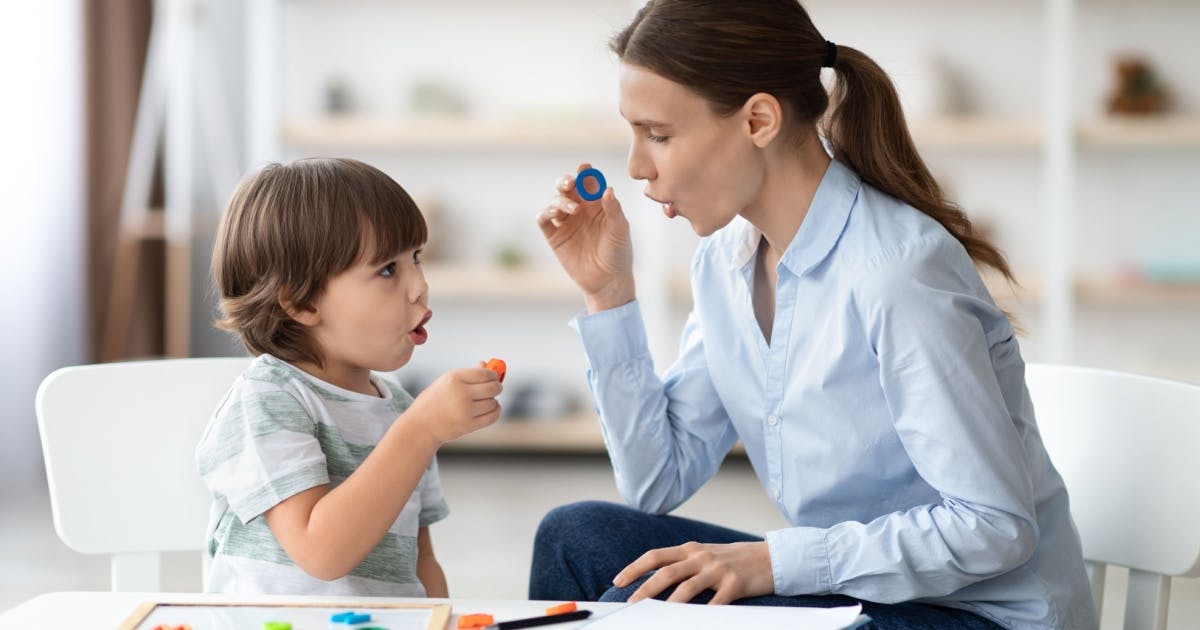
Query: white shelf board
[
  {"x": 1100, "y": 290},
  {"x": 480, "y": 282},
  {"x": 976, "y": 132},
  {"x": 448, "y": 133},
  {"x": 572, "y": 434},
  {"x": 952, "y": 132},
  {"x": 1141, "y": 132},
  {"x": 578, "y": 433},
  {"x": 1117, "y": 292}
]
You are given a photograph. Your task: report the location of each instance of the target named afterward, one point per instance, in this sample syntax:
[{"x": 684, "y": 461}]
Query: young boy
[{"x": 321, "y": 467}]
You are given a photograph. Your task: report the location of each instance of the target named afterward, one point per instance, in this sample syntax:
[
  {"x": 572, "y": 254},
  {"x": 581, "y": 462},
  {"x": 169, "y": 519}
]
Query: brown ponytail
[
  {"x": 727, "y": 51},
  {"x": 866, "y": 131}
]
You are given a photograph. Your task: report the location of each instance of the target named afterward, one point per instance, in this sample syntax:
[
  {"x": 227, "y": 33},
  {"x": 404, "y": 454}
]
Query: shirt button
[
  {"x": 772, "y": 419},
  {"x": 777, "y": 494}
]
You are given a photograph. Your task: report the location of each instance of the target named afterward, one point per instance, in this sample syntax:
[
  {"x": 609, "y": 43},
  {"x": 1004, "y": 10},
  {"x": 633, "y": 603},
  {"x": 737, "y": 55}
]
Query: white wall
[
  {"x": 525, "y": 57},
  {"x": 41, "y": 239}
]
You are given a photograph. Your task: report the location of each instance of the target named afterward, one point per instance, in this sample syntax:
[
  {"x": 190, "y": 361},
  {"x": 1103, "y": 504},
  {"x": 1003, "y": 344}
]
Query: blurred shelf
[
  {"x": 447, "y": 133},
  {"x": 576, "y": 434},
  {"x": 481, "y": 282},
  {"x": 976, "y": 132},
  {"x": 1117, "y": 292},
  {"x": 377, "y": 132},
  {"x": 1099, "y": 290},
  {"x": 1028, "y": 292},
  {"x": 1141, "y": 132},
  {"x": 572, "y": 434},
  {"x": 1089, "y": 290}
]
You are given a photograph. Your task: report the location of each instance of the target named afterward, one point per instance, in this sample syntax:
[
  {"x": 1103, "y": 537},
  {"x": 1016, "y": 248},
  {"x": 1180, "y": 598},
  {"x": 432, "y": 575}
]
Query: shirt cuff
[
  {"x": 799, "y": 561},
  {"x": 613, "y": 336}
]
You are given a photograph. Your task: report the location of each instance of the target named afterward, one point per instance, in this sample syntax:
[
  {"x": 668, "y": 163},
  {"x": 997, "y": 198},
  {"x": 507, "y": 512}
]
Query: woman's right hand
[
  {"x": 591, "y": 241},
  {"x": 457, "y": 403}
]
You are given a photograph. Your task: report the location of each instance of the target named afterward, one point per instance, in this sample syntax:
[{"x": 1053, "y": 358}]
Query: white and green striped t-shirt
[{"x": 278, "y": 432}]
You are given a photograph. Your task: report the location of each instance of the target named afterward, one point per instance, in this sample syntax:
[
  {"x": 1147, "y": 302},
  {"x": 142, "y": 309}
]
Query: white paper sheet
[{"x": 655, "y": 614}]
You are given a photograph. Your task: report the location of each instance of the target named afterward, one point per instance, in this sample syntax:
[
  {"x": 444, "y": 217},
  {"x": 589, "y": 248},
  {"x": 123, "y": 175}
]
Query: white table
[{"x": 108, "y": 609}]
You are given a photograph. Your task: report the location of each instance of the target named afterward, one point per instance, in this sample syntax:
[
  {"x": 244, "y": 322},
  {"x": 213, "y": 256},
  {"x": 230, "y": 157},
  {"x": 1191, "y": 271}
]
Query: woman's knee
[
  {"x": 622, "y": 593},
  {"x": 579, "y": 522}
]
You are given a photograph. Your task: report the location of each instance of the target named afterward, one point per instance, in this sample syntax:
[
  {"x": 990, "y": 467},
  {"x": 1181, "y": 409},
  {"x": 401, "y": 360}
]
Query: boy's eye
[
  {"x": 388, "y": 270},
  {"x": 417, "y": 257}
]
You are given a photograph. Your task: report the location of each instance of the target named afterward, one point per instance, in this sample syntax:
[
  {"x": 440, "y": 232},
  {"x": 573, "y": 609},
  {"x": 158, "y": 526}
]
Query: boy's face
[{"x": 372, "y": 316}]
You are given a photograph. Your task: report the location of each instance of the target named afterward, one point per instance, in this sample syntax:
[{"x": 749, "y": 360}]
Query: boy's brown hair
[{"x": 288, "y": 229}]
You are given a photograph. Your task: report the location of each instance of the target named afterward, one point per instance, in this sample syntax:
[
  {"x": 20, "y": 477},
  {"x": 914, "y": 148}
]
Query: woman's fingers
[
  {"x": 690, "y": 588},
  {"x": 564, "y": 204},
  {"x": 648, "y": 562},
  {"x": 663, "y": 579},
  {"x": 566, "y": 188},
  {"x": 723, "y": 595},
  {"x": 547, "y": 222}
]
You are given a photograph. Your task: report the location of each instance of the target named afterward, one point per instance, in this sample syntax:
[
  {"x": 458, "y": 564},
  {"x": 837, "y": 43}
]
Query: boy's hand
[{"x": 457, "y": 403}]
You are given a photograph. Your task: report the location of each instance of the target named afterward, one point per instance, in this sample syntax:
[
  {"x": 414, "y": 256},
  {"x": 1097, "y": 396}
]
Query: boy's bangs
[{"x": 388, "y": 223}]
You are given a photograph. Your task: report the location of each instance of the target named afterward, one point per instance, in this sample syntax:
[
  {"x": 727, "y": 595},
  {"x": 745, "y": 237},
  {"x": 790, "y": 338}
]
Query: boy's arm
[
  {"x": 329, "y": 532},
  {"x": 429, "y": 571}
]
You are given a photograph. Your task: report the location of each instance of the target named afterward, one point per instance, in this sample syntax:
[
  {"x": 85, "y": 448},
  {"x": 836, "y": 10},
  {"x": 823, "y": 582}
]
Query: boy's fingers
[
  {"x": 477, "y": 375},
  {"x": 485, "y": 410},
  {"x": 486, "y": 391}
]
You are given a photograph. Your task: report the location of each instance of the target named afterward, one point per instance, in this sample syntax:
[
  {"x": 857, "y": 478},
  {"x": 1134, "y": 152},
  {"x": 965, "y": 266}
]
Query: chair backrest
[
  {"x": 1126, "y": 446},
  {"x": 119, "y": 441}
]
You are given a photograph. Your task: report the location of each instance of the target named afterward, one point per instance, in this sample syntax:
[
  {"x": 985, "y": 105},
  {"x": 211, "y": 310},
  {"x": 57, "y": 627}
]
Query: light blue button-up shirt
[{"x": 888, "y": 418}]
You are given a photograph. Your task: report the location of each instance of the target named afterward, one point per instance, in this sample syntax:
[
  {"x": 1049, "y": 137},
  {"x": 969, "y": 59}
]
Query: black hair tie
[{"x": 830, "y": 54}]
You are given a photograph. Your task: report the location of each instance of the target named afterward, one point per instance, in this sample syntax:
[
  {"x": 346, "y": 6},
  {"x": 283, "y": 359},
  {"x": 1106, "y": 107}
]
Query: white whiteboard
[{"x": 302, "y": 617}]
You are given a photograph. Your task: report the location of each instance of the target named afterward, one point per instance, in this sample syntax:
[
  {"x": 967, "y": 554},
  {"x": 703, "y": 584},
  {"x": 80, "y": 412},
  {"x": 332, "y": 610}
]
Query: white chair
[
  {"x": 119, "y": 442},
  {"x": 1126, "y": 446}
]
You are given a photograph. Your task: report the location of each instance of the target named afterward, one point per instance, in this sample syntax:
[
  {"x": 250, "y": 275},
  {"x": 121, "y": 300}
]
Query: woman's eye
[
  {"x": 388, "y": 270},
  {"x": 653, "y": 138}
]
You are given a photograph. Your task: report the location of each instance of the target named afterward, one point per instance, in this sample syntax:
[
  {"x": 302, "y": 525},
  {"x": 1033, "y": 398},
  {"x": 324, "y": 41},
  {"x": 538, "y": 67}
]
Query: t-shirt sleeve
[
  {"x": 260, "y": 449},
  {"x": 433, "y": 503}
]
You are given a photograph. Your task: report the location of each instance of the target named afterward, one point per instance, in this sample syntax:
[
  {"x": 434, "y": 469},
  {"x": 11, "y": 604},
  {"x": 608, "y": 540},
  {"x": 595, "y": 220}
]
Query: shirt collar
[{"x": 820, "y": 230}]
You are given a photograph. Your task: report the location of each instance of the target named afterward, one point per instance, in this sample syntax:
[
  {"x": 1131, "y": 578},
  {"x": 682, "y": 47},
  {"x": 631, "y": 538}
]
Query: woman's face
[{"x": 700, "y": 166}]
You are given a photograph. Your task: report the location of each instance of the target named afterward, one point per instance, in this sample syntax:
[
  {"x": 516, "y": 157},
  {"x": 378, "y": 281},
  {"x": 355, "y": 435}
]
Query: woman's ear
[
  {"x": 764, "y": 116},
  {"x": 308, "y": 315}
]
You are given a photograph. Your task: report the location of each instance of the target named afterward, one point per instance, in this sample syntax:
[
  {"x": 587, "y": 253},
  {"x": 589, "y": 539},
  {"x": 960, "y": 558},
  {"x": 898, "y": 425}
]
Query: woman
[{"x": 839, "y": 329}]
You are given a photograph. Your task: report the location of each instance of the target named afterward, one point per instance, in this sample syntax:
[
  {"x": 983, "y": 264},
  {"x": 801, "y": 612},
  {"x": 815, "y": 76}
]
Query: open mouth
[
  {"x": 419, "y": 335},
  {"x": 668, "y": 207}
]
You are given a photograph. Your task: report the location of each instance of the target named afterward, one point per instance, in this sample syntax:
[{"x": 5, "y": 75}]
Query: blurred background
[{"x": 1069, "y": 129}]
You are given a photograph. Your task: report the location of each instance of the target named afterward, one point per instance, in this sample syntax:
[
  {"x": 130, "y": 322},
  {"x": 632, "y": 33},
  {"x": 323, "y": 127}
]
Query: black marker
[{"x": 531, "y": 622}]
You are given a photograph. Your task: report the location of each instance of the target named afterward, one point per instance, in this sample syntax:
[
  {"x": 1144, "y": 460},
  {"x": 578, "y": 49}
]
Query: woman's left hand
[{"x": 733, "y": 571}]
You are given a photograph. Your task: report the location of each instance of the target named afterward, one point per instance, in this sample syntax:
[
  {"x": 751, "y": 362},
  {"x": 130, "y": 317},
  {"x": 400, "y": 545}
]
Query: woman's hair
[
  {"x": 288, "y": 229},
  {"x": 727, "y": 51}
]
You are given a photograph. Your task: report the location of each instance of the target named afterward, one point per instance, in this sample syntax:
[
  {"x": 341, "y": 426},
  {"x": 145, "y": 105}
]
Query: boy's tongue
[{"x": 419, "y": 335}]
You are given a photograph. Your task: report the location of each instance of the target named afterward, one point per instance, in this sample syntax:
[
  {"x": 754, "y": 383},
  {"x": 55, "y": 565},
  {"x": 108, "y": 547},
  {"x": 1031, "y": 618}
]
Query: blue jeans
[{"x": 581, "y": 547}]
